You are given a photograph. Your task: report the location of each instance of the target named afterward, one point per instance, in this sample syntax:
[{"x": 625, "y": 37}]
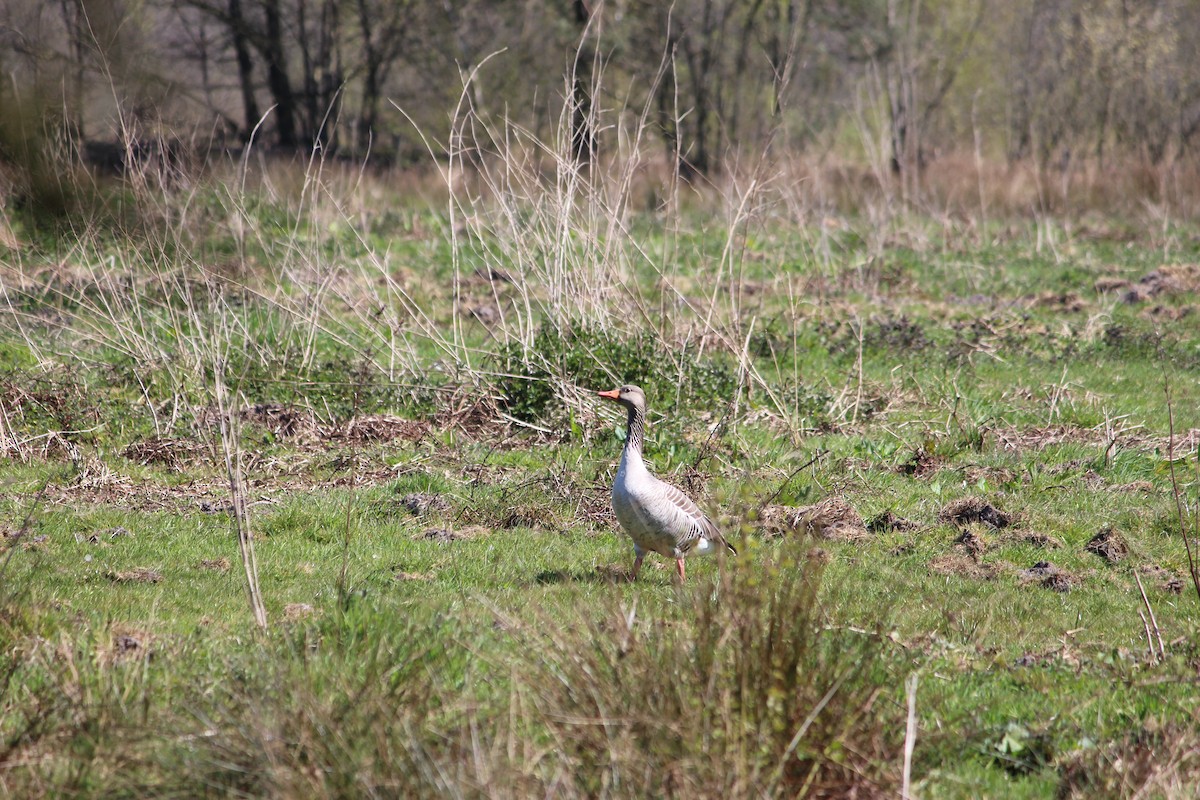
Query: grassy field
[{"x": 958, "y": 457}]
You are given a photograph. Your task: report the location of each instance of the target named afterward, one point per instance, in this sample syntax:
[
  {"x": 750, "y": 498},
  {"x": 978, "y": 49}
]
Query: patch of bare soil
[
  {"x": 137, "y": 575},
  {"x": 1049, "y": 576},
  {"x": 920, "y": 464},
  {"x": 962, "y": 565},
  {"x": 1171, "y": 280},
  {"x": 972, "y": 542},
  {"x": 1152, "y": 762},
  {"x": 887, "y": 522},
  {"x": 1110, "y": 545},
  {"x": 1061, "y": 302},
  {"x": 833, "y": 518},
  {"x": 971, "y": 509},
  {"x": 215, "y": 564},
  {"x": 1170, "y": 582}
]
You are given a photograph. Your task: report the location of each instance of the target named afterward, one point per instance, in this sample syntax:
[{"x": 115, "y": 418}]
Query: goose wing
[{"x": 698, "y": 523}]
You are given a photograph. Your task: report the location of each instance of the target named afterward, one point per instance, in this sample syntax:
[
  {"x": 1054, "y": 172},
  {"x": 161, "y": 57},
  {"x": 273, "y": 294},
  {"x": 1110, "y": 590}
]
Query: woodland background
[{"x": 897, "y": 85}]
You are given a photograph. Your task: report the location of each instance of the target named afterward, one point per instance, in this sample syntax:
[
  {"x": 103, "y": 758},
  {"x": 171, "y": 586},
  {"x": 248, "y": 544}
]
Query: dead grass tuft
[
  {"x": 751, "y": 694},
  {"x": 380, "y": 428},
  {"x": 1161, "y": 762},
  {"x": 174, "y": 453}
]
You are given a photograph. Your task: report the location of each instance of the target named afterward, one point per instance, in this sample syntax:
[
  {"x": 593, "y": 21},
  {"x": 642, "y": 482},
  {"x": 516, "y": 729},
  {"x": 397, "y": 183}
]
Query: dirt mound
[
  {"x": 832, "y": 518},
  {"x": 972, "y": 542},
  {"x": 1048, "y": 576},
  {"x": 888, "y": 522},
  {"x": 966, "y": 510},
  {"x": 1174, "y": 279},
  {"x": 1110, "y": 545},
  {"x": 1063, "y": 302}
]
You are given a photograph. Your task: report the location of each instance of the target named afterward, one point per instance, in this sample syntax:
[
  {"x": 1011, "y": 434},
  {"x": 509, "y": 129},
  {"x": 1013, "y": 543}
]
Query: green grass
[{"x": 403, "y": 661}]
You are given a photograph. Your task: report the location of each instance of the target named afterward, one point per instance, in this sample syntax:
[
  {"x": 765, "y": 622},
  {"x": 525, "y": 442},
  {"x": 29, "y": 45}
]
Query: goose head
[{"x": 630, "y": 396}]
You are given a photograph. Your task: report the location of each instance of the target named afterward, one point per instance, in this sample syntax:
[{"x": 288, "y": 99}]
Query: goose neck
[{"x": 635, "y": 430}]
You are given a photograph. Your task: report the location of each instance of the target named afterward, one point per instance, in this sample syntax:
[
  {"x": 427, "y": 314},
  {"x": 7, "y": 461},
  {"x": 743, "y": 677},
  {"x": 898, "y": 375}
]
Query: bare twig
[
  {"x": 795, "y": 472},
  {"x": 1162, "y": 651},
  {"x": 910, "y": 736},
  {"x": 1175, "y": 491},
  {"x": 241, "y": 517},
  {"x": 25, "y": 523}
]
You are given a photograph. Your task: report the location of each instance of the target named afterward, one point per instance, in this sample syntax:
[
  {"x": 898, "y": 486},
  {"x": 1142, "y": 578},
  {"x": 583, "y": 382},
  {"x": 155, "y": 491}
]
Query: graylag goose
[{"x": 658, "y": 517}]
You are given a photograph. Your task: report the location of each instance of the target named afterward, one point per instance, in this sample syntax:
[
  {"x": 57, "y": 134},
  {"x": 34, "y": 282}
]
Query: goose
[{"x": 658, "y": 517}]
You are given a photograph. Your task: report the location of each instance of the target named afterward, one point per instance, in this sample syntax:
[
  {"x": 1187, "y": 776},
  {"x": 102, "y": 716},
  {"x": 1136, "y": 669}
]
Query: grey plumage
[{"x": 657, "y": 516}]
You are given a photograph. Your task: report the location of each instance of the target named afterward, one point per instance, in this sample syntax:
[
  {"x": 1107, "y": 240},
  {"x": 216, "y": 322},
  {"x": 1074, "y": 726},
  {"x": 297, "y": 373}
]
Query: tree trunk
[
  {"x": 583, "y": 135},
  {"x": 277, "y": 78},
  {"x": 245, "y": 66}
]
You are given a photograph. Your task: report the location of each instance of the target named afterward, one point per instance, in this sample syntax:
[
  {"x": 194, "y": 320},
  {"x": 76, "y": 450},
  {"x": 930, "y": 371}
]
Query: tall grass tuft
[{"x": 744, "y": 691}]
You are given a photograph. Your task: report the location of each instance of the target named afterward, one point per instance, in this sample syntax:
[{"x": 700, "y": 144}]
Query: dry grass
[{"x": 748, "y": 694}]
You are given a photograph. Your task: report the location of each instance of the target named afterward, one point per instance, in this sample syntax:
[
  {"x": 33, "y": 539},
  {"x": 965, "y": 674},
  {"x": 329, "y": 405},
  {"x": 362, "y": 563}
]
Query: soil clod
[
  {"x": 888, "y": 522},
  {"x": 1109, "y": 544}
]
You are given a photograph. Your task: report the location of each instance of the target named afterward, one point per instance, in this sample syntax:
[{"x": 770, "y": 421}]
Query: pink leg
[
  {"x": 679, "y": 567},
  {"x": 637, "y": 565}
]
